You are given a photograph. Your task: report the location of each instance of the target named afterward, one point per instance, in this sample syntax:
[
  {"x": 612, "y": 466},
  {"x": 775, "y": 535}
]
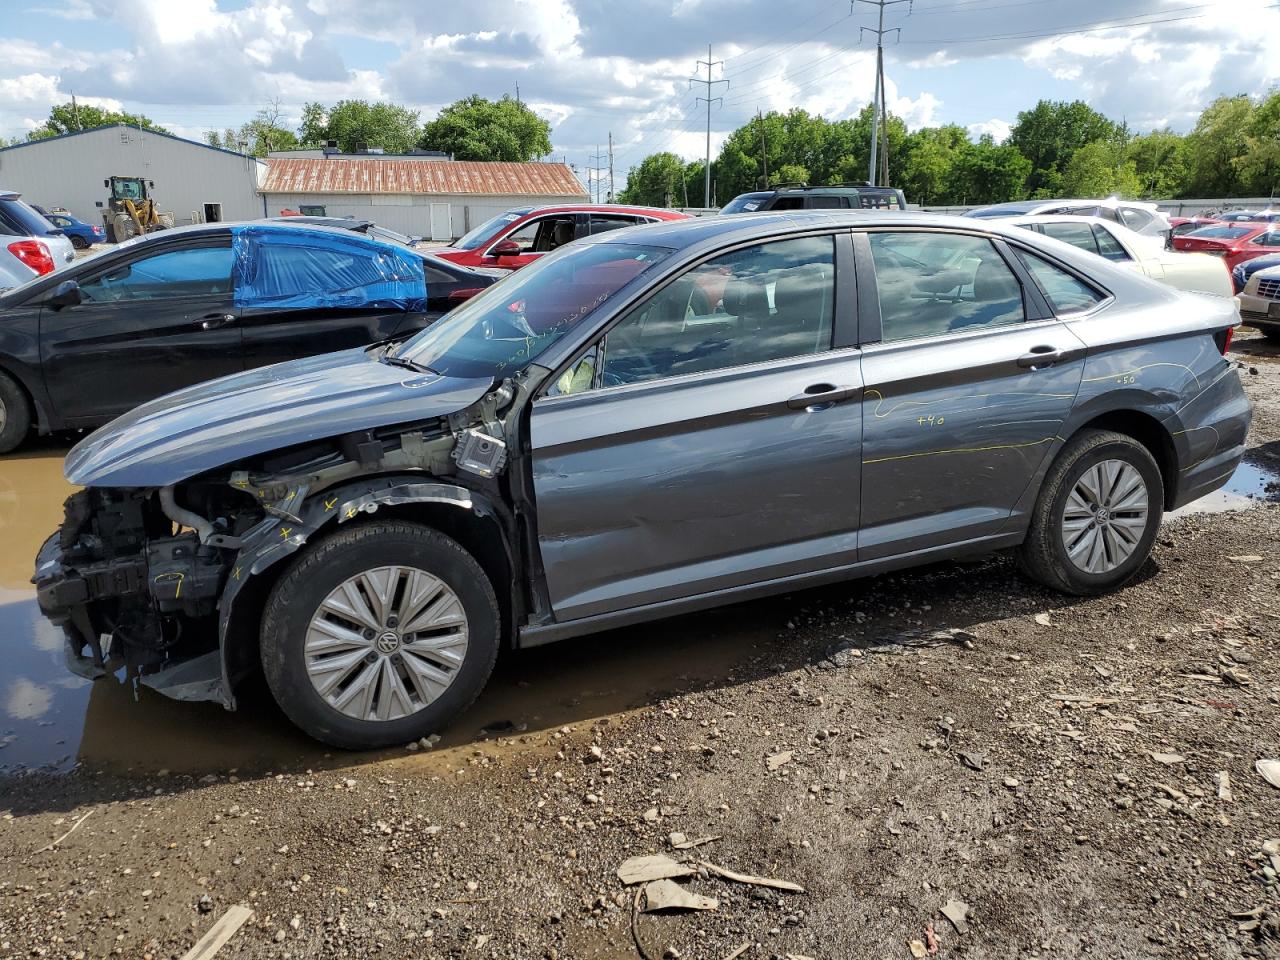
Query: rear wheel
[
  {"x": 15, "y": 414},
  {"x": 1097, "y": 515},
  {"x": 80, "y": 243},
  {"x": 379, "y": 635}
]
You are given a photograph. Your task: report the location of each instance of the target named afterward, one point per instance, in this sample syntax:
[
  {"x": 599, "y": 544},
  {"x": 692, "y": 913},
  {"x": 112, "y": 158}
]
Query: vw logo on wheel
[{"x": 387, "y": 643}]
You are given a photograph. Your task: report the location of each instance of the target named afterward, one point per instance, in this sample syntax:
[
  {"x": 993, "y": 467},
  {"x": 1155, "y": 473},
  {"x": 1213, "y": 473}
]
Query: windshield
[
  {"x": 19, "y": 220},
  {"x": 505, "y": 328},
  {"x": 1220, "y": 233},
  {"x": 477, "y": 236},
  {"x": 744, "y": 203}
]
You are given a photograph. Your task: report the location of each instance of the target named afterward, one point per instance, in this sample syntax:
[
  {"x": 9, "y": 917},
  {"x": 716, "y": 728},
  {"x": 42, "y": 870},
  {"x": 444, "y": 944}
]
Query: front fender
[{"x": 276, "y": 538}]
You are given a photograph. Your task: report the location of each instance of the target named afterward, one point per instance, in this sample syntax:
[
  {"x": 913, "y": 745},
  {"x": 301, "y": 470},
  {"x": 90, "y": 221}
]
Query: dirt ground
[{"x": 1078, "y": 774}]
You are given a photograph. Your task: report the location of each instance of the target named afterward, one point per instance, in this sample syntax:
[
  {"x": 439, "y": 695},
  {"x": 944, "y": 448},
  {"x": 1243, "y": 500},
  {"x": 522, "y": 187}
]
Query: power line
[
  {"x": 879, "y": 112},
  {"x": 595, "y": 167},
  {"x": 709, "y": 64}
]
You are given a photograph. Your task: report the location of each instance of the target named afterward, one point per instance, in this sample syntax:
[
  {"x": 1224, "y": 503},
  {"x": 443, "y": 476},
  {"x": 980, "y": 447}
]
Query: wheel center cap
[
  {"x": 388, "y": 642},
  {"x": 1104, "y": 515}
]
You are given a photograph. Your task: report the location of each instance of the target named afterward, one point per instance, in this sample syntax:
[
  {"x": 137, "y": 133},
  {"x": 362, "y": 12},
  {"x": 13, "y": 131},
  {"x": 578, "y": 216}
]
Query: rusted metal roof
[{"x": 293, "y": 175}]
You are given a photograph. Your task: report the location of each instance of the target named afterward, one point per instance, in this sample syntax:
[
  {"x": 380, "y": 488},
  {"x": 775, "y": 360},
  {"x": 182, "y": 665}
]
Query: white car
[
  {"x": 1140, "y": 216},
  {"x": 30, "y": 246},
  {"x": 1195, "y": 272},
  {"x": 1260, "y": 302}
]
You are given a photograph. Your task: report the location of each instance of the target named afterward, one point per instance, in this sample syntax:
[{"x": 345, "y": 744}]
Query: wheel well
[
  {"x": 479, "y": 536},
  {"x": 1149, "y": 432},
  {"x": 37, "y": 412}
]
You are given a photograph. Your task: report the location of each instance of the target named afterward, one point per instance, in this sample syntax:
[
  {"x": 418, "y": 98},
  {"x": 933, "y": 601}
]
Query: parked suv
[
  {"x": 595, "y": 441},
  {"x": 30, "y": 246},
  {"x": 801, "y": 196}
]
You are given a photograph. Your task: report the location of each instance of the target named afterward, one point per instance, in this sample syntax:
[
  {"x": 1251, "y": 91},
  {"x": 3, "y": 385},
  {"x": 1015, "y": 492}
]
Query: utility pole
[
  {"x": 75, "y": 112},
  {"x": 764, "y": 149},
  {"x": 595, "y": 168},
  {"x": 879, "y": 112},
  {"x": 611, "y": 193},
  {"x": 709, "y": 64}
]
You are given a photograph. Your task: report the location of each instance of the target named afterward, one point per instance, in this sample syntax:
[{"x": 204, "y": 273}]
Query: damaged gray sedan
[{"x": 653, "y": 421}]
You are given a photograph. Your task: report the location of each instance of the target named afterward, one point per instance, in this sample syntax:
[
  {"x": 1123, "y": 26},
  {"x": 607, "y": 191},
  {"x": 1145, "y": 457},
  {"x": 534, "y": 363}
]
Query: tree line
[
  {"x": 1055, "y": 149},
  {"x": 473, "y": 128}
]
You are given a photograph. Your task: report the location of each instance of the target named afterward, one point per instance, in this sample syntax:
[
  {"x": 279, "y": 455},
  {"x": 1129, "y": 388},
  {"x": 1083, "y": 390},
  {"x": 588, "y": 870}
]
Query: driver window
[
  {"x": 762, "y": 303},
  {"x": 543, "y": 234},
  {"x": 180, "y": 273}
]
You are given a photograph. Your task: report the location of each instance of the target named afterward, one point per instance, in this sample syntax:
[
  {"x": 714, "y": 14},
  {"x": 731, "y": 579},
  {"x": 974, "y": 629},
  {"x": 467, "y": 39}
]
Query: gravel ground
[{"x": 1079, "y": 774}]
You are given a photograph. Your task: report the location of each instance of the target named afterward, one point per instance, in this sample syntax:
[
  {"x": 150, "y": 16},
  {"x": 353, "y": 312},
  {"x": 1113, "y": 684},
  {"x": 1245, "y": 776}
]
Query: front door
[
  {"x": 965, "y": 394},
  {"x": 532, "y": 239},
  {"x": 158, "y": 322},
  {"x": 703, "y": 446}
]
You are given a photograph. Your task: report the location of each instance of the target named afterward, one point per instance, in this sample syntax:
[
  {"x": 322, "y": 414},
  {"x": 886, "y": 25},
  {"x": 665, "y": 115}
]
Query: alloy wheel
[
  {"x": 1105, "y": 517},
  {"x": 386, "y": 643}
]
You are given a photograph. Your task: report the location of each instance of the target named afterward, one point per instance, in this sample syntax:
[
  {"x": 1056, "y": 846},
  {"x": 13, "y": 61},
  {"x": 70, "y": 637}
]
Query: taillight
[
  {"x": 1223, "y": 339},
  {"x": 466, "y": 293},
  {"x": 34, "y": 254}
]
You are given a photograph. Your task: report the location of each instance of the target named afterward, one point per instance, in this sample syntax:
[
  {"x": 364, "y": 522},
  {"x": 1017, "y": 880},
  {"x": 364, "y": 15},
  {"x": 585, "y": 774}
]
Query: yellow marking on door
[
  {"x": 935, "y": 453},
  {"x": 330, "y": 504},
  {"x": 284, "y": 532},
  {"x": 866, "y": 394},
  {"x": 1132, "y": 373}
]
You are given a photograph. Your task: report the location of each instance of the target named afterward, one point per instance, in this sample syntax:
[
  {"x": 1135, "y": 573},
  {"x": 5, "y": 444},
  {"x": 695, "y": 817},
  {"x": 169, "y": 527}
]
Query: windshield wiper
[{"x": 392, "y": 360}]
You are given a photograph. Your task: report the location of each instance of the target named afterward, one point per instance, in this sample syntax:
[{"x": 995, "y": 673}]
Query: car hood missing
[{"x": 220, "y": 422}]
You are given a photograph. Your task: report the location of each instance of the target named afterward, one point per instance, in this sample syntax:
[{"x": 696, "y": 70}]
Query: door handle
[
  {"x": 821, "y": 396},
  {"x": 212, "y": 321},
  {"x": 1044, "y": 355}
]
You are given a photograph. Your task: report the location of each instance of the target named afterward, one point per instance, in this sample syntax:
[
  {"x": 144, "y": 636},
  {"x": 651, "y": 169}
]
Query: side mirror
[
  {"x": 65, "y": 294},
  {"x": 505, "y": 248},
  {"x": 106, "y": 183}
]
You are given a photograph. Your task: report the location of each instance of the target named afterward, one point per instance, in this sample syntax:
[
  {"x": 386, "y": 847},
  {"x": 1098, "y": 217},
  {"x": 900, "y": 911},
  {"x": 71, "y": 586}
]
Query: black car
[
  {"x": 801, "y": 196},
  {"x": 171, "y": 309}
]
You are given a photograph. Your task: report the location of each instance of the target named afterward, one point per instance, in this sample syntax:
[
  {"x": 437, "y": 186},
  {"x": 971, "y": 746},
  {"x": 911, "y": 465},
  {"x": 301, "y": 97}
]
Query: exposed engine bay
[{"x": 148, "y": 579}]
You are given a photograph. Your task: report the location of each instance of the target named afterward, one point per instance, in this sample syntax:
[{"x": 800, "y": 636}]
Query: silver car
[
  {"x": 30, "y": 246},
  {"x": 1140, "y": 216},
  {"x": 646, "y": 422}
]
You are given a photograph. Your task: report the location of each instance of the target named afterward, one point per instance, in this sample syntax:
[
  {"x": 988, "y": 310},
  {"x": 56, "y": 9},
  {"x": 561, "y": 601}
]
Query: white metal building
[
  {"x": 193, "y": 180},
  {"x": 422, "y": 196}
]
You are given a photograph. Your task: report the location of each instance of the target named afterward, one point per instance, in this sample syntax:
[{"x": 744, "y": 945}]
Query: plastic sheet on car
[{"x": 289, "y": 267}]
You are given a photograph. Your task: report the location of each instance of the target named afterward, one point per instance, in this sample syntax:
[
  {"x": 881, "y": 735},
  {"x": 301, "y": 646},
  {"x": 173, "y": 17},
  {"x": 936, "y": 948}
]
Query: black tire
[
  {"x": 15, "y": 414},
  {"x": 111, "y": 233},
  {"x": 80, "y": 243},
  {"x": 1044, "y": 557},
  {"x": 309, "y": 580}
]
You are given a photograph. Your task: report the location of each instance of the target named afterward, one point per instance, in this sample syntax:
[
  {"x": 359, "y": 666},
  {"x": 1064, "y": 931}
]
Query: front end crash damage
[{"x": 150, "y": 579}]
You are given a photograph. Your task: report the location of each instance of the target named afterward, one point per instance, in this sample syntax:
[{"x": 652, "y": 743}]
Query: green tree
[
  {"x": 1099, "y": 169},
  {"x": 1050, "y": 132},
  {"x": 987, "y": 172},
  {"x": 66, "y": 118},
  {"x": 1259, "y": 166},
  {"x": 353, "y": 123},
  {"x": 1159, "y": 161},
  {"x": 480, "y": 129},
  {"x": 927, "y": 172},
  {"x": 1219, "y": 139},
  {"x": 657, "y": 181}
]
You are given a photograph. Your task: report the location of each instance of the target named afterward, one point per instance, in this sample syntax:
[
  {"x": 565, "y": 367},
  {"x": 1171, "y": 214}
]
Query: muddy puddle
[
  {"x": 1249, "y": 486},
  {"x": 52, "y": 720}
]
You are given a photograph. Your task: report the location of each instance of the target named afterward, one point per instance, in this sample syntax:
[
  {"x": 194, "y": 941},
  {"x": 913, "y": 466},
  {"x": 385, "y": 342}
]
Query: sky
[{"x": 595, "y": 67}]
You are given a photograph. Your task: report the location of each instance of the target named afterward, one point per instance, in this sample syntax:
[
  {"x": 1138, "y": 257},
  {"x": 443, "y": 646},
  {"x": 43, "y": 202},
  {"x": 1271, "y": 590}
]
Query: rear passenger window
[
  {"x": 1077, "y": 234},
  {"x": 766, "y": 302},
  {"x": 827, "y": 203},
  {"x": 1064, "y": 292},
  {"x": 932, "y": 283},
  {"x": 1108, "y": 245}
]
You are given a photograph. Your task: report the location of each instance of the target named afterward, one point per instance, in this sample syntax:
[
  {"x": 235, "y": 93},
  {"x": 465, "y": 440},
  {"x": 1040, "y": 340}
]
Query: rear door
[
  {"x": 693, "y": 449},
  {"x": 162, "y": 320},
  {"x": 969, "y": 377}
]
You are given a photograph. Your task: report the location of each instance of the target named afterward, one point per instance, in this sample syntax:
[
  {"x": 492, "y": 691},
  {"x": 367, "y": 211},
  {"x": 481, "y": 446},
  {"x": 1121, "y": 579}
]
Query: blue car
[
  {"x": 1243, "y": 271},
  {"x": 82, "y": 235}
]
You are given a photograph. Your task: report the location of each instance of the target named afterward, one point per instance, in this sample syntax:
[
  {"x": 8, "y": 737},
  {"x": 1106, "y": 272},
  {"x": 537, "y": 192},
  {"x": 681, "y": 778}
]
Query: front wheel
[
  {"x": 15, "y": 414},
  {"x": 379, "y": 635},
  {"x": 1096, "y": 517}
]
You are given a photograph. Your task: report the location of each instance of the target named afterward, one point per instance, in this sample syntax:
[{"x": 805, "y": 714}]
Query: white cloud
[{"x": 999, "y": 129}]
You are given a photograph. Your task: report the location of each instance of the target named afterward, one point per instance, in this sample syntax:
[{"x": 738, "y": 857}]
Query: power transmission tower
[
  {"x": 611, "y": 193},
  {"x": 709, "y": 64},
  {"x": 596, "y": 166},
  {"x": 879, "y": 111}
]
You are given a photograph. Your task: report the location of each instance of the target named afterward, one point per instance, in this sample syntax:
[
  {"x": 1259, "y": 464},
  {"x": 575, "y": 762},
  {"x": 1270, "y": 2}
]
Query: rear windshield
[
  {"x": 19, "y": 220},
  {"x": 745, "y": 203},
  {"x": 992, "y": 213},
  {"x": 1221, "y": 233},
  {"x": 477, "y": 236},
  {"x": 513, "y": 322}
]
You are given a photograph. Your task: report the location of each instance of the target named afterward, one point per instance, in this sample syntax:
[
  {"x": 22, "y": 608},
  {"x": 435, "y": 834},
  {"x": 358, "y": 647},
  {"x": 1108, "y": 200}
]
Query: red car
[
  {"x": 1234, "y": 242},
  {"x": 1184, "y": 225},
  {"x": 518, "y": 237}
]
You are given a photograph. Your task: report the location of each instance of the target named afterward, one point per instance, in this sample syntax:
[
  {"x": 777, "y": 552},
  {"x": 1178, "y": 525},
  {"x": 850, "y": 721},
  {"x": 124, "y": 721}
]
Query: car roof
[{"x": 597, "y": 208}]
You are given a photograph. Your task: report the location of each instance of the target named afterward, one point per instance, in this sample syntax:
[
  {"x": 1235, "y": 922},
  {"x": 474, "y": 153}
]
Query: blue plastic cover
[{"x": 283, "y": 267}]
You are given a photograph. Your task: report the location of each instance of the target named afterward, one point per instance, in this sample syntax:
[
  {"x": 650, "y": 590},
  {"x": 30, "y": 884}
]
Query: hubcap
[
  {"x": 386, "y": 643},
  {"x": 1105, "y": 517}
]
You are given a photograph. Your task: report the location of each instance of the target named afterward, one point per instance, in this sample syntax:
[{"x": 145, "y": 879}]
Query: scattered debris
[
  {"x": 1166, "y": 758},
  {"x": 736, "y": 877},
  {"x": 1247, "y": 558},
  {"x": 739, "y": 952},
  {"x": 680, "y": 842},
  {"x": 1235, "y": 676},
  {"x": 957, "y": 913},
  {"x": 930, "y": 938},
  {"x": 223, "y": 930},
  {"x": 776, "y": 760},
  {"x": 1269, "y": 770},
  {"x": 1224, "y": 786},
  {"x": 669, "y": 895},
  {"x": 974, "y": 761},
  {"x": 1043, "y": 619},
  {"x": 74, "y": 828},
  {"x": 656, "y": 866},
  {"x": 918, "y": 949}
]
